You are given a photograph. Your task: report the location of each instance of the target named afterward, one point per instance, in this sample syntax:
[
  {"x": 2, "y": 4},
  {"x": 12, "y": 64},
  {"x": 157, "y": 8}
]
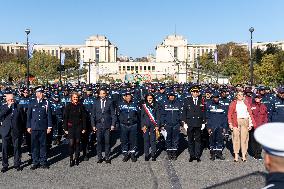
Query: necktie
[
  {"x": 103, "y": 102},
  {"x": 195, "y": 101}
]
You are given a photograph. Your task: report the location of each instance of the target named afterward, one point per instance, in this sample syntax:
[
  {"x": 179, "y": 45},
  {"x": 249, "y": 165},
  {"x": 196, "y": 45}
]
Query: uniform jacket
[
  {"x": 193, "y": 115},
  {"x": 171, "y": 113},
  {"x": 216, "y": 115},
  {"x": 12, "y": 120},
  {"x": 39, "y": 115},
  {"x": 232, "y": 113},
  {"x": 104, "y": 118},
  {"x": 74, "y": 117},
  {"x": 277, "y": 113},
  {"x": 128, "y": 113},
  {"x": 260, "y": 115}
]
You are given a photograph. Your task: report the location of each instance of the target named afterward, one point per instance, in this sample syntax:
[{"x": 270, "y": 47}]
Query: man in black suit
[
  {"x": 103, "y": 121},
  {"x": 193, "y": 115},
  {"x": 12, "y": 127}
]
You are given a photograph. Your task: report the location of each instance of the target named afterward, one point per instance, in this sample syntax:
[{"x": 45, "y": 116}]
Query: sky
[{"x": 137, "y": 26}]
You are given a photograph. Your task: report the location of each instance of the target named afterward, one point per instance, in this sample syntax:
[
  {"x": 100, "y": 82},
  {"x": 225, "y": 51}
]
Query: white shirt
[{"x": 242, "y": 110}]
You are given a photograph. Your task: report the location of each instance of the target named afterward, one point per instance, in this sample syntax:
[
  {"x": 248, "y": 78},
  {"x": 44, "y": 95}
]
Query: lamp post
[
  {"x": 89, "y": 71},
  {"x": 28, "y": 31},
  {"x": 251, "y": 30},
  {"x": 76, "y": 59},
  {"x": 197, "y": 64},
  {"x": 60, "y": 81}
]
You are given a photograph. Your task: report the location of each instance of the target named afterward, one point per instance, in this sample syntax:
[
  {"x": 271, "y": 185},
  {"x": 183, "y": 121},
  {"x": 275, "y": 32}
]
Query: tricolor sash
[{"x": 150, "y": 114}]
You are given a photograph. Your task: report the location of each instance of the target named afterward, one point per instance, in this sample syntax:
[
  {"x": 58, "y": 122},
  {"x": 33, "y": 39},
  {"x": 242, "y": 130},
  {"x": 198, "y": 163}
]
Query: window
[
  {"x": 123, "y": 68},
  {"x": 136, "y": 68},
  {"x": 128, "y": 68},
  {"x": 97, "y": 54},
  {"x": 145, "y": 68},
  {"x": 141, "y": 68},
  {"x": 153, "y": 68},
  {"x": 119, "y": 68},
  {"x": 175, "y": 52},
  {"x": 56, "y": 53},
  {"x": 12, "y": 50},
  {"x": 52, "y": 52},
  {"x": 132, "y": 68},
  {"x": 149, "y": 68}
]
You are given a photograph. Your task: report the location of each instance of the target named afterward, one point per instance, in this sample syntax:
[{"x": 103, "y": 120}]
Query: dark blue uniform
[
  {"x": 277, "y": 110},
  {"x": 39, "y": 119},
  {"x": 171, "y": 121},
  {"x": 57, "y": 118},
  {"x": 216, "y": 124},
  {"x": 128, "y": 115}
]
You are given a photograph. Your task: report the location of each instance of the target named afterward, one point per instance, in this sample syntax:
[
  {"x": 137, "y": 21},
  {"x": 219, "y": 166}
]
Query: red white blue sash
[{"x": 150, "y": 114}]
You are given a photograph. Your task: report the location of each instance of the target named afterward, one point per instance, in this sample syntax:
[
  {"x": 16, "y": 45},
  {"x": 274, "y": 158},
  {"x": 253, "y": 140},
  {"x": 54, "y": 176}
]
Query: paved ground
[{"x": 160, "y": 174}]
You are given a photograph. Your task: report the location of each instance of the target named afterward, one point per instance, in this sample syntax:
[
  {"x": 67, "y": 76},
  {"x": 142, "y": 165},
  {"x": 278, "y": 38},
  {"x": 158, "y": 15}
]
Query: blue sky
[{"x": 137, "y": 26}]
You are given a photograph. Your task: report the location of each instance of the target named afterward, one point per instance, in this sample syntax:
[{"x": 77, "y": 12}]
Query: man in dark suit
[
  {"x": 39, "y": 124},
  {"x": 12, "y": 127},
  {"x": 193, "y": 115},
  {"x": 103, "y": 121}
]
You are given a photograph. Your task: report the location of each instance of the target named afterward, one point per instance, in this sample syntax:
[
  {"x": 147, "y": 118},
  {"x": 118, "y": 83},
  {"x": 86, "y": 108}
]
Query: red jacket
[
  {"x": 260, "y": 115},
  {"x": 232, "y": 113}
]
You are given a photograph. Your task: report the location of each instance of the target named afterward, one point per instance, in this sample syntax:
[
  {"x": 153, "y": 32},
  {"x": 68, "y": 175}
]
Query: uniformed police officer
[
  {"x": 277, "y": 108},
  {"x": 171, "y": 122},
  {"x": 39, "y": 124},
  {"x": 57, "y": 118},
  {"x": 193, "y": 115},
  {"x": 270, "y": 136},
  {"x": 129, "y": 117},
  {"x": 216, "y": 124}
]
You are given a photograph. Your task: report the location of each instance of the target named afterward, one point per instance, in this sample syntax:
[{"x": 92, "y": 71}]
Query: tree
[
  {"x": 271, "y": 49},
  {"x": 258, "y": 54}
]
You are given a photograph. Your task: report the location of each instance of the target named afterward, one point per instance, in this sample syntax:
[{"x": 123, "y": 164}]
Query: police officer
[
  {"x": 277, "y": 108},
  {"x": 171, "y": 122},
  {"x": 57, "y": 118},
  {"x": 88, "y": 102},
  {"x": 129, "y": 117},
  {"x": 270, "y": 136},
  {"x": 193, "y": 115},
  {"x": 103, "y": 122},
  {"x": 267, "y": 100},
  {"x": 39, "y": 124},
  {"x": 216, "y": 124}
]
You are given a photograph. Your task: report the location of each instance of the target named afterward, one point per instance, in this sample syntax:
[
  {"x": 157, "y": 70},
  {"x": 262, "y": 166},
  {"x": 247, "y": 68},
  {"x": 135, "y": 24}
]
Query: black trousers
[
  {"x": 150, "y": 140},
  {"x": 255, "y": 146},
  {"x": 194, "y": 141},
  {"x": 39, "y": 152},
  {"x": 16, "y": 140},
  {"x": 103, "y": 138}
]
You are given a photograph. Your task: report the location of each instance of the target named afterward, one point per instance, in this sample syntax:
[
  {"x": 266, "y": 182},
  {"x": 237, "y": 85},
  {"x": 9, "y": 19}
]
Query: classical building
[{"x": 96, "y": 49}]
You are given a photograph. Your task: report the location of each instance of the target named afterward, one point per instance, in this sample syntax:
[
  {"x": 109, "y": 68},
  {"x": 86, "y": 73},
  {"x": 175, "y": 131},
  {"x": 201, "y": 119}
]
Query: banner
[
  {"x": 62, "y": 58},
  {"x": 81, "y": 64},
  {"x": 31, "y": 50},
  {"x": 216, "y": 56}
]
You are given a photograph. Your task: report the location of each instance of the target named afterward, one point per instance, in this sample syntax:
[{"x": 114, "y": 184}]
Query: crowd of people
[{"x": 85, "y": 114}]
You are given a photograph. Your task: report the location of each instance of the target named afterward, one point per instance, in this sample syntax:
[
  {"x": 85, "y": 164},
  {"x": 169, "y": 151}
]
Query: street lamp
[
  {"x": 89, "y": 71},
  {"x": 197, "y": 64},
  {"x": 251, "y": 30},
  {"x": 60, "y": 81},
  {"x": 28, "y": 31}
]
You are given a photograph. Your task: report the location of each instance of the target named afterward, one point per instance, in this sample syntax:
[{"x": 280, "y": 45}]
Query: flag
[
  {"x": 31, "y": 50},
  {"x": 81, "y": 64},
  {"x": 62, "y": 58},
  {"x": 216, "y": 56}
]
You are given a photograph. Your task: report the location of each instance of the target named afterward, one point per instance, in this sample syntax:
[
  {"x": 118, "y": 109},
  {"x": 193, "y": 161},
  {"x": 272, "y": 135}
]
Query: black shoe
[
  {"x": 30, "y": 161},
  {"x": 4, "y": 169},
  {"x": 212, "y": 155},
  {"x": 221, "y": 157},
  {"x": 153, "y": 158},
  {"x": 191, "y": 159},
  {"x": 174, "y": 156},
  {"x": 45, "y": 166},
  {"x": 100, "y": 161},
  {"x": 18, "y": 168},
  {"x": 133, "y": 157},
  {"x": 77, "y": 161},
  {"x": 86, "y": 158},
  {"x": 72, "y": 163},
  {"x": 198, "y": 159},
  {"x": 108, "y": 161},
  {"x": 34, "y": 167},
  {"x": 125, "y": 158},
  {"x": 147, "y": 157},
  {"x": 169, "y": 155}
]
